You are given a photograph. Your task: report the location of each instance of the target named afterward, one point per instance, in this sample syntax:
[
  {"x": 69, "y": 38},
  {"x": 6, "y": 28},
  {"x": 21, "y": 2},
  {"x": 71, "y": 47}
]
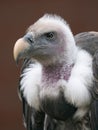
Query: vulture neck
[
  {"x": 53, "y": 73},
  {"x": 62, "y": 67}
]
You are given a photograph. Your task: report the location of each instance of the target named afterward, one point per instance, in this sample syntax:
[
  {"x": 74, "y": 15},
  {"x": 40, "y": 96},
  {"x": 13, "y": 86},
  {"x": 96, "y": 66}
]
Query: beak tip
[
  {"x": 20, "y": 48},
  {"x": 15, "y": 56},
  {"x": 17, "y": 61}
]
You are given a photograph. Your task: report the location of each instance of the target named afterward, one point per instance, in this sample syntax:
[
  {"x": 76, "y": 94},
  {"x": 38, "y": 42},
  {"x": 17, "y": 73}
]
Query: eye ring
[{"x": 50, "y": 35}]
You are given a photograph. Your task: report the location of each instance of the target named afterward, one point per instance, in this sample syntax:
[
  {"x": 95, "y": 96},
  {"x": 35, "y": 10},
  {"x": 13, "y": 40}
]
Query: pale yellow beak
[{"x": 20, "y": 48}]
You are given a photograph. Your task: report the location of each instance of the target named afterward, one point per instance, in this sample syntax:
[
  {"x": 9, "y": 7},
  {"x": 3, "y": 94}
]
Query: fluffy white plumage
[
  {"x": 76, "y": 89},
  {"x": 30, "y": 84}
]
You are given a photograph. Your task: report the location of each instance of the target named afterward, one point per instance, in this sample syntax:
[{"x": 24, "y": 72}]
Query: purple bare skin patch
[{"x": 53, "y": 73}]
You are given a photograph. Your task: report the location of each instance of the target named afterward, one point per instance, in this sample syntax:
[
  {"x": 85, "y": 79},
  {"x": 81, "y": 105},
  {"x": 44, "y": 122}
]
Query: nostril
[{"x": 29, "y": 38}]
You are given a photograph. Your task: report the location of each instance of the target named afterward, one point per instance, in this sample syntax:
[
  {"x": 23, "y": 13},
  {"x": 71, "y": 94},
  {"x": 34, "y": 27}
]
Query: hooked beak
[{"x": 21, "y": 47}]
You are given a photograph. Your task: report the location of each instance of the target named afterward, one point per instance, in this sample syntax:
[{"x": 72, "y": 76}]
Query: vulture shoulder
[{"x": 89, "y": 42}]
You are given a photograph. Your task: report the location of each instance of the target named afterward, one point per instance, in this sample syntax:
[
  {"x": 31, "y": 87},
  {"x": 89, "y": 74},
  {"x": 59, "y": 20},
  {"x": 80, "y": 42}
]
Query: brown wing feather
[{"x": 89, "y": 42}]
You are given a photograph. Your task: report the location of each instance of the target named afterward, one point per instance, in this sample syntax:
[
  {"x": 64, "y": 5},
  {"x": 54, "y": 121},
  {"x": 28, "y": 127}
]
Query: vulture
[{"x": 58, "y": 84}]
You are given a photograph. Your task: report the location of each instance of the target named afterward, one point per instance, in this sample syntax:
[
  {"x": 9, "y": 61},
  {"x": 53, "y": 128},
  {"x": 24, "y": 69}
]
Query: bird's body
[
  {"x": 57, "y": 77},
  {"x": 47, "y": 94}
]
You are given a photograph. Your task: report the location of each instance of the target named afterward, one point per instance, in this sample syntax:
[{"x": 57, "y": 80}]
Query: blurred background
[{"x": 15, "y": 17}]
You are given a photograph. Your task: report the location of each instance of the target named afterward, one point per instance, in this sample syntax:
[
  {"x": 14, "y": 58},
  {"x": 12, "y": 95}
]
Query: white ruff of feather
[
  {"x": 30, "y": 84},
  {"x": 77, "y": 89}
]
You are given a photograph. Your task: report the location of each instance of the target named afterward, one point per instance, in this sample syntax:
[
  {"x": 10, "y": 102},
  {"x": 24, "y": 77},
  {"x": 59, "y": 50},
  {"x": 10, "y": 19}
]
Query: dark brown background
[{"x": 15, "y": 17}]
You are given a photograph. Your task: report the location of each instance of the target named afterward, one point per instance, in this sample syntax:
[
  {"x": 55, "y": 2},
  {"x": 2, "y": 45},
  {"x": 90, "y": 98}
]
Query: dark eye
[{"x": 50, "y": 35}]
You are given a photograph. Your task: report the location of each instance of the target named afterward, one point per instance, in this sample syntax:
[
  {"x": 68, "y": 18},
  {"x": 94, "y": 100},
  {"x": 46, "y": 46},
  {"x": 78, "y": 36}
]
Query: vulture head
[{"x": 48, "y": 41}]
